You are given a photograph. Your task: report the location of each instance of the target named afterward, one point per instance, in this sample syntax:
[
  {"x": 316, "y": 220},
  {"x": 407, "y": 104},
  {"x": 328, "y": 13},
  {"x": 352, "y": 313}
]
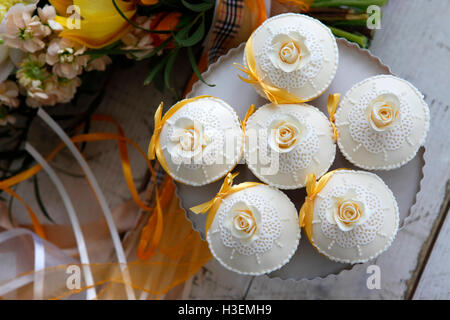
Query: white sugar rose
[
  {"x": 288, "y": 51},
  {"x": 383, "y": 112},
  {"x": 285, "y": 133},
  {"x": 347, "y": 212},
  {"x": 243, "y": 222},
  {"x": 188, "y": 140}
]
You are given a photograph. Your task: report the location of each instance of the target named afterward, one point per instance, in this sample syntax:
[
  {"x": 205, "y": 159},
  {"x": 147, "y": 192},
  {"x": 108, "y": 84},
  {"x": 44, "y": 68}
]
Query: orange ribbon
[
  {"x": 273, "y": 94},
  {"x": 306, "y": 213},
  {"x": 332, "y": 104},
  {"x": 157, "y": 218},
  {"x": 226, "y": 189},
  {"x": 304, "y": 5}
]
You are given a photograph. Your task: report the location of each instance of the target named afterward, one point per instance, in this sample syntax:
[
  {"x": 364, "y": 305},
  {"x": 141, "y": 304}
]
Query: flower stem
[
  {"x": 362, "y": 41},
  {"x": 348, "y": 3}
]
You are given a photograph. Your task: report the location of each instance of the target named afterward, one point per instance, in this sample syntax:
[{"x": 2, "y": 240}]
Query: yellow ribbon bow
[
  {"x": 333, "y": 102},
  {"x": 154, "y": 148},
  {"x": 226, "y": 189},
  {"x": 156, "y": 132},
  {"x": 306, "y": 214},
  {"x": 251, "y": 110},
  {"x": 273, "y": 94}
]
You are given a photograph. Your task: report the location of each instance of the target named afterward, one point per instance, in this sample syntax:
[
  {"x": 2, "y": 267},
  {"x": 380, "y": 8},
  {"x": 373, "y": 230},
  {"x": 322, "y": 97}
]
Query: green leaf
[
  {"x": 198, "y": 7},
  {"x": 157, "y": 49},
  {"x": 134, "y": 24},
  {"x": 348, "y": 3},
  {"x": 195, "y": 38},
  {"x": 10, "y": 204},
  {"x": 195, "y": 68},
  {"x": 37, "y": 194},
  {"x": 168, "y": 69},
  {"x": 155, "y": 70},
  {"x": 361, "y": 40}
]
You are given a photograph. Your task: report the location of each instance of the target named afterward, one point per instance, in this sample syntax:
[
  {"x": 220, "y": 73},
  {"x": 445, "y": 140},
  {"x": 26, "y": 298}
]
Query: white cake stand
[{"x": 355, "y": 64}]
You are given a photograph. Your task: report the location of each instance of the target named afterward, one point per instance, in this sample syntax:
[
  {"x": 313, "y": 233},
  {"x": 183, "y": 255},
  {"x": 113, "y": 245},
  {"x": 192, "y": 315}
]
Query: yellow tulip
[{"x": 100, "y": 24}]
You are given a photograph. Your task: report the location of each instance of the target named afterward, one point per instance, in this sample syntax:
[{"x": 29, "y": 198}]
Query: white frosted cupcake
[
  {"x": 382, "y": 121},
  {"x": 355, "y": 217},
  {"x": 254, "y": 231},
  {"x": 198, "y": 141},
  {"x": 294, "y": 53},
  {"x": 286, "y": 142}
]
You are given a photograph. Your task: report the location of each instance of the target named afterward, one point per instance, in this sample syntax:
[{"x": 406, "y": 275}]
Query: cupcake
[
  {"x": 381, "y": 123},
  {"x": 350, "y": 216},
  {"x": 286, "y": 142},
  {"x": 253, "y": 229},
  {"x": 291, "y": 58},
  {"x": 198, "y": 141}
]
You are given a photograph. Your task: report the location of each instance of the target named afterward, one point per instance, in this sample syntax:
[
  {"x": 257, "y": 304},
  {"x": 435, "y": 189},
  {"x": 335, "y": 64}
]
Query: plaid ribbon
[{"x": 228, "y": 21}]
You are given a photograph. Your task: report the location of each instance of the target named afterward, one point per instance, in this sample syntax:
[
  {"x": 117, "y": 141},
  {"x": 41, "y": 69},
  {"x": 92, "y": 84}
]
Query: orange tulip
[
  {"x": 164, "y": 21},
  {"x": 100, "y": 24}
]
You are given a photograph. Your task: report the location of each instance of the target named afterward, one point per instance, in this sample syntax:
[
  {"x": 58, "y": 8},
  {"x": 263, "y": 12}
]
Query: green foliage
[{"x": 190, "y": 32}]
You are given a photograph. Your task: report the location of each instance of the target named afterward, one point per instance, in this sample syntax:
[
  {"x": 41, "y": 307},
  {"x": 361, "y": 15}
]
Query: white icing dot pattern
[
  {"x": 361, "y": 234},
  {"x": 270, "y": 224},
  {"x": 377, "y": 142},
  {"x": 202, "y": 113},
  {"x": 298, "y": 78},
  {"x": 298, "y": 158}
]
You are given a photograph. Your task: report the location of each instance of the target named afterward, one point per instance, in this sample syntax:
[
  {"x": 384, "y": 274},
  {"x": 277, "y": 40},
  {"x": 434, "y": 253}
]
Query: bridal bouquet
[{"x": 49, "y": 49}]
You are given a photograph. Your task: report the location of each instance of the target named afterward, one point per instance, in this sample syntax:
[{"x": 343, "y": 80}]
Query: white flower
[
  {"x": 288, "y": 51},
  {"x": 5, "y": 5},
  {"x": 9, "y": 93},
  {"x": 243, "y": 222},
  {"x": 383, "y": 112},
  {"x": 347, "y": 211},
  {"x": 188, "y": 140},
  {"x": 66, "y": 57},
  {"x": 139, "y": 40},
  {"x": 21, "y": 30},
  {"x": 44, "y": 88},
  {"x": 48, "y": 15},
  {"x": 6, "y": 65},
  {"x": 285, "y": 133},
  {"x": 98, "y": 64},
  {"x": 53, "y": 91}
]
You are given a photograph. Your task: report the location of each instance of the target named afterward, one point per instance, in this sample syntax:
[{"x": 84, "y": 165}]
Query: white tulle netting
[
  {"x": 298, "y": 78},
  {"x": 270, "y": 225},
  {"x": 298, "y": 158},
  {"x": 203, "y": 114},
  {"x": 373, "y": 141},
  {"x": 361, "y": 234}
]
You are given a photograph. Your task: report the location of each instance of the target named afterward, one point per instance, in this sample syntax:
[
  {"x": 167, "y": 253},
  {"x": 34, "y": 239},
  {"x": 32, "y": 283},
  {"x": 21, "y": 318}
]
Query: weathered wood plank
[{"x": 434, "y": 277}]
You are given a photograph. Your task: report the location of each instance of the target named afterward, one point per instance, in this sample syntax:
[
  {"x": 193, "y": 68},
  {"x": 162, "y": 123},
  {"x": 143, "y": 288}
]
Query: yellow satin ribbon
[
  {"x": 304, "y": 5},
  {"x": 154, "y": 148},
  {"x": 306, "y": 213},
  {"x": 273, "y": 94},
  {"x": 251, "y": 110},
  {"x": 333, "y": 102},
  {"x": 226, "y": 189}
]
